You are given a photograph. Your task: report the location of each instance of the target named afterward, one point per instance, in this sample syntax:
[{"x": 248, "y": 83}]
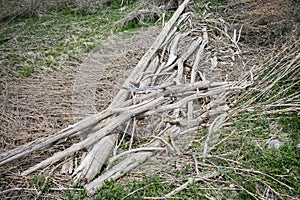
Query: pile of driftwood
[{"x": 157, "y": 104}]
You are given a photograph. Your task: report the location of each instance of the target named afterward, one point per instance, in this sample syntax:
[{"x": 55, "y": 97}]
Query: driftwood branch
[
  {"x": 43, "y": 143},
  {"x": 126, "y": 165},
  {"x": 125, "y": 116}
]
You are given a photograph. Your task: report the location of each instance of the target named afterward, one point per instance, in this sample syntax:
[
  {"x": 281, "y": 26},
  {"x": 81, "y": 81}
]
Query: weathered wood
[
  {"x": 200, "y": 177},
  {"x": 119, "y": 170},
  {"x": 146, "y": 81},
  {"x": 113, "y": 159},
  {"x": 128, "y": 164},
  {"x": 143, "y": 63},
  {"x": 138, "y": 72},
  {"x": 213, "y": 129},
  {"x": 158, "y": 87},
  {"x": 184, "y": 57},
  {"x": 94, "y": 137},
  {"x": 45, "y": 142},
  {"x": 174, "y": 90},
  {"x": 88, "y": 167},
  {"x": 182, "y": 102},
  {"x": 93, "y": 162},
  {"x": 198, "y": 58}
]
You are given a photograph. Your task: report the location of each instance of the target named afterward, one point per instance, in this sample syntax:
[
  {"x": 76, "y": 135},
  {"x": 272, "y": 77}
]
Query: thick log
[{"x": 92, "y": 164}]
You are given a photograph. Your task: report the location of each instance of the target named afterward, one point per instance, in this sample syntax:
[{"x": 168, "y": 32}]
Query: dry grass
[
  {"x": 39, "y": 106},
  {"x": 266, "y": 22},
  {"x": 42, "y": 104},
  {"x": 13, "y": 9}
]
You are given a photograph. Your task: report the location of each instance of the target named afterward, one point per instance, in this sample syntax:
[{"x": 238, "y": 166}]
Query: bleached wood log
[
  {"x": 184, "y": 56},
  {"x": 199, "y": 55},
  {"x": 91, "y": 165},
  {"x": 171, "y": 34},
  {"x": 175, "y": 90},
  {"x": 45, "y": 142},
  {"x": 94, "y": 137},
  {"x": 143, "y": 63},
  {"x": 119, "y": 170},
  {"x": 173, "y": 48},
  {"x": 113, "y": 159},
  {"x": 182, "y": 102},
  {"x": 127, "y": 165},
  {"x": 146, "y": 81}
]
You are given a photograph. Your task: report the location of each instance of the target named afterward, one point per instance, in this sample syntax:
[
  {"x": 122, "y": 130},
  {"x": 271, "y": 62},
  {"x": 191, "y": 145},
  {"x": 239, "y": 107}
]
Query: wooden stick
[
  {"x": 38, "y": 144},
  {"x": 93, "y": 162},
  {"x": 94, "y": 137},
  {"x": 128, "y": 164},
  {"x": 134, "y": 151},
  {"x": 187, "y": 99},
  {"x": 190, "y": 181},
  {"x": 118, "y": 171},
  {"x": 193, "y": 75},
  {"x": 143, "y": 63}
]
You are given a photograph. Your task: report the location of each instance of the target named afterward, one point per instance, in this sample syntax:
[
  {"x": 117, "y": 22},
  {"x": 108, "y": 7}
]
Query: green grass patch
[
  {"x": 41, "y": 184},
  {"x": 246, "y": 162},
  {"x": 151, "y": 187},
  {"x": 55, "y": 39}
]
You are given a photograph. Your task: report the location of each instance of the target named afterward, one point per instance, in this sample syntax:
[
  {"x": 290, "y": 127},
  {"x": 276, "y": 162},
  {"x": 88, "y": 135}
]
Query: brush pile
[{"x": 164, "y": 98}]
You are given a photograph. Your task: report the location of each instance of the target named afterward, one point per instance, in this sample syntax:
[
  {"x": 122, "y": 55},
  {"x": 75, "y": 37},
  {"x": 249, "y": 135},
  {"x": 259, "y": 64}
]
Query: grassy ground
[
  {"x": 55, "y": 39},
  {"x": 245, "y": 166}
]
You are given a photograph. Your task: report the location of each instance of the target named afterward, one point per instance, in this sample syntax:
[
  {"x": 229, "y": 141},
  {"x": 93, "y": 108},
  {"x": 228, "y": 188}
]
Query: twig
[
  {"x": 214, "y": 127},
  {"x": 132, "y": 133},
  {"x": 180, "y": 188},
  {"x": 136, "y": 150},
  {"x": 224, "y": 139},
  {"x": 247, "y": 191},
  {"x": 173, "y": 143},
  {"x": 248, "y": 171},
  {"x": 123, "y": 136},
  {"x": 190, "y": 181},
  {"x": 196, "y": 165},
  {"x": 163, "y": 140}
]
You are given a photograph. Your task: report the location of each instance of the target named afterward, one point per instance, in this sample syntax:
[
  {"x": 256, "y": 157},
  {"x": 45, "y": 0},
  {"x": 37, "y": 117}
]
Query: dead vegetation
[
  {"x": 265, "y": 22},
  {"x": 189, "y": 78}
]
